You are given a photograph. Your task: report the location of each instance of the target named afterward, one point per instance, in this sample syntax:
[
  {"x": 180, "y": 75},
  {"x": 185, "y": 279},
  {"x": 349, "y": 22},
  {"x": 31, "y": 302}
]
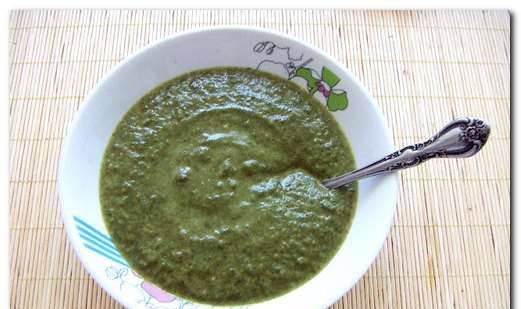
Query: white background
[{"x": 372, "y": 4}]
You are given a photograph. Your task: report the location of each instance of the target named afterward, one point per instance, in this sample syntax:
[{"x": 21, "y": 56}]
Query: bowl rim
[{"x": 342, "y": 287}]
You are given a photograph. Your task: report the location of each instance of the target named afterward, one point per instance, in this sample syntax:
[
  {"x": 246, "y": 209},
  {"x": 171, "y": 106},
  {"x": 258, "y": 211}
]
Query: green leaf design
[
  {"x": 337, "y": 101},
  {"x": 307, "y": 74},
  {"x": 329, "y": 77}
]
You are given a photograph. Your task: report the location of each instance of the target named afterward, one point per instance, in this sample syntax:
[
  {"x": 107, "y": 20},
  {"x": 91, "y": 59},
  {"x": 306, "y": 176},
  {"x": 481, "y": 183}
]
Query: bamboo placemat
[{"x": 449, "y": 246}]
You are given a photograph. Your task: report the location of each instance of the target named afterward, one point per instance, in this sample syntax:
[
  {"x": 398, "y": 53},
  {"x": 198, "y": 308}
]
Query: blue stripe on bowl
[
  {"x": 85, "y": 224},
  {"x": 98, "y": 242},
  {"x": 90, "y": 237}
]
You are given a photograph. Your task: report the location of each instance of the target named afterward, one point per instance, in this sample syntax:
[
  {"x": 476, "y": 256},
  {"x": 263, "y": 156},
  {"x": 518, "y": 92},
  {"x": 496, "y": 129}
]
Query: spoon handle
[{"x": 461, "y": 138}]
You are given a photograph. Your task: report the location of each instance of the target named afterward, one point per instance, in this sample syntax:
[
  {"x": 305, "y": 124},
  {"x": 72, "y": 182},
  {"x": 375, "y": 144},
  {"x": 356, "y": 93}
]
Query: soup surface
[{"x": 210, "y": 186}]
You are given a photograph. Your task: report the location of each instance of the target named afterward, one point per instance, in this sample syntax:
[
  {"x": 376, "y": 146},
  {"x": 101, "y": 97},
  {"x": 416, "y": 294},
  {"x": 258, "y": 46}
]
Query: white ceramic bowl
[{"x": 277, "y": 53}]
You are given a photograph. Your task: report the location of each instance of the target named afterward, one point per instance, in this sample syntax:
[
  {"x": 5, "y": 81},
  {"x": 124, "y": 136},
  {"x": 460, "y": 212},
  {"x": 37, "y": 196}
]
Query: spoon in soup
[{"x": 461, "y": 138}]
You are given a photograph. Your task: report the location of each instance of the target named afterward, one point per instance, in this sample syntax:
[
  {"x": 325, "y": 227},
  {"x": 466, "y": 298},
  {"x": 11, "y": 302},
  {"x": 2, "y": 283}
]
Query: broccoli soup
[{"x": 210, "y": 186}]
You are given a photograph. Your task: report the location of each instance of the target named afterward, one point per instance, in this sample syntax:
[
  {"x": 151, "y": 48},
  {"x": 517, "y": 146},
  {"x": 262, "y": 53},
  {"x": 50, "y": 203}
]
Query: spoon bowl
[{"x": 344, "y": 97}]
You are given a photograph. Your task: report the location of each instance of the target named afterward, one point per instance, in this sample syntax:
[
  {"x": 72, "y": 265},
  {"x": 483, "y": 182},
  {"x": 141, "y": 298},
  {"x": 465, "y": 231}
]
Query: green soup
[{"x": 210, "y": 186}]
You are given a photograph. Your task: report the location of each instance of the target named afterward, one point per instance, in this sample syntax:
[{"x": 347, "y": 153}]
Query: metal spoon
[{"x": 461, "y": 138}]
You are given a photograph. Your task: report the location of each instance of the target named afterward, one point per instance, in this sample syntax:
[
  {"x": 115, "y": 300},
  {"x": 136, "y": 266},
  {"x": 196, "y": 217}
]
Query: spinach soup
[{"x": 210, "y": 186}]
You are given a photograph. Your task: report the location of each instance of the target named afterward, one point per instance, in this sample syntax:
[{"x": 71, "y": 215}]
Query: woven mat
[{"x": 450, "y": 243}]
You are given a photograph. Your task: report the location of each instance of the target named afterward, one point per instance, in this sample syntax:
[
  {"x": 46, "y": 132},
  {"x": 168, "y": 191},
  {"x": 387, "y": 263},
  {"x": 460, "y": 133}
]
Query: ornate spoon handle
[{"x": 460, "y": 138}]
